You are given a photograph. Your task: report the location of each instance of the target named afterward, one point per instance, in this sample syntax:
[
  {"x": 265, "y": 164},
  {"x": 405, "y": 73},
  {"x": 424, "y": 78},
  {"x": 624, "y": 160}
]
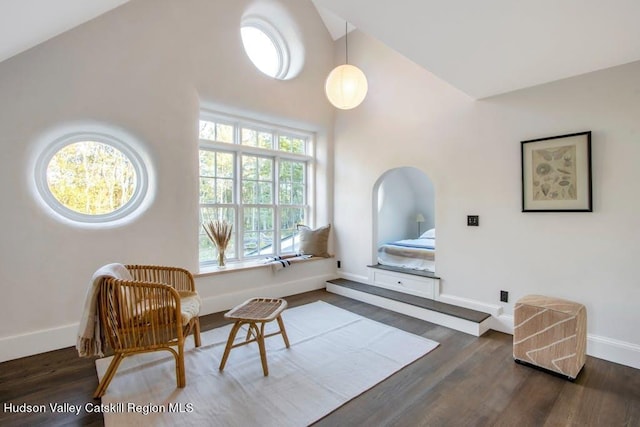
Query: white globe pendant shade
[{"x": 346, "y": 87}]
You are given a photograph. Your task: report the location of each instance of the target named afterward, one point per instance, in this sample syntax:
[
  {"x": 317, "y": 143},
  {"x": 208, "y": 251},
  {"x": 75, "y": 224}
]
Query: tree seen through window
[{"x": 91, "y": 178}]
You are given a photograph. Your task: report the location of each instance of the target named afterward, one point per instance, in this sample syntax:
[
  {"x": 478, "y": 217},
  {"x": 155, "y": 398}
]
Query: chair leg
[
  {"x": 232, "y": 337},
  {"x": 181, "y": 376},
  {"x": 249, "y": 332},
  {"x": 263, "y": 353},
  {"x": 283, "y": 331},
  {"x": 196, "y": 332},
  {"x": 108, "y": 376}
]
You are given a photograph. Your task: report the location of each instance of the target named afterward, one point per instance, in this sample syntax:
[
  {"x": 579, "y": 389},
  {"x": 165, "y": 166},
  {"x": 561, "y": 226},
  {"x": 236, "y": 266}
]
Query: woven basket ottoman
[{"x": 550, "y": 333}]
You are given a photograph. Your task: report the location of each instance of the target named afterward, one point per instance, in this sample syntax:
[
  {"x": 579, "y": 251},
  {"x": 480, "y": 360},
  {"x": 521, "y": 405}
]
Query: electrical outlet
[
  {"x": 473, "y": 220},
  {"x": 504, "y": 296},
  {"x": 339, "y": 263}
]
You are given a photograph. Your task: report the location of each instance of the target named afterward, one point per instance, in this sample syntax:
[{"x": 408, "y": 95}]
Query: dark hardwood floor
[{"x": 466, "y": 381}]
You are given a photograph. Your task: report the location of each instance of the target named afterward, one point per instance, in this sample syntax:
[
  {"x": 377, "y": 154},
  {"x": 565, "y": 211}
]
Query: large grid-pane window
[{"x": 255, "y": 177}]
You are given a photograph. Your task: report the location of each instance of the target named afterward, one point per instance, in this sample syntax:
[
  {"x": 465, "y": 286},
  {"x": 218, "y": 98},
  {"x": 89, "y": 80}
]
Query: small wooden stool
[{"x": 252, "y": 312}]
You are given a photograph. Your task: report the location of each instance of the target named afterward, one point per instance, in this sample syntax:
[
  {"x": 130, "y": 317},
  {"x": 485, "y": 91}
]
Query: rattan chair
[{"x": 155, "y": 311}]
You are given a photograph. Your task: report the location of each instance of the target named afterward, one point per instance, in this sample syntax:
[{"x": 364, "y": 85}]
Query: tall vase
[{"x": 221, "y": 258}]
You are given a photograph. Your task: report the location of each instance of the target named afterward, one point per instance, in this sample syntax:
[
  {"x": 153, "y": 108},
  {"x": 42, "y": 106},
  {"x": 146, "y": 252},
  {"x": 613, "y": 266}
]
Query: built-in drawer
[{"x": 422, "y": 286}]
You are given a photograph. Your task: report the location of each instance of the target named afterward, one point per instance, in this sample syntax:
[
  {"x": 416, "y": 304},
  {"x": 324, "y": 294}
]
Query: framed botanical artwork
[{"x": 556, "y": 174}]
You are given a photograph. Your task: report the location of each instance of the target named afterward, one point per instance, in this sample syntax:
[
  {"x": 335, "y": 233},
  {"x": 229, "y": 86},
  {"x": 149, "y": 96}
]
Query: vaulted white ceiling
[
  {"x": 483, "y": 47},
  {"x": 490, "y": 47},
  {"x": 27, "y": 23}
]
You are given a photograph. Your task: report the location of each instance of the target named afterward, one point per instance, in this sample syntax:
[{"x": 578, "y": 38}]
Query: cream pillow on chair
[{"x": 314, "y": 242}]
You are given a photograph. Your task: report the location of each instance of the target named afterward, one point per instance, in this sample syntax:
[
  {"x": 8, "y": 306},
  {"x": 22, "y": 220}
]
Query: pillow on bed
[
  {"x": 314, "y": 242},
  {"x": 429, "y": 234}
]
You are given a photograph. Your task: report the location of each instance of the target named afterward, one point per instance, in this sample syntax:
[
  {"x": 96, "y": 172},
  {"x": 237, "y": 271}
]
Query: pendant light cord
[{"x": 346, "y": 44}]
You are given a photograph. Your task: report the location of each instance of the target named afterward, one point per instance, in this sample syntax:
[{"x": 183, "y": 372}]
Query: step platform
[{"x": 462, "y": 319}]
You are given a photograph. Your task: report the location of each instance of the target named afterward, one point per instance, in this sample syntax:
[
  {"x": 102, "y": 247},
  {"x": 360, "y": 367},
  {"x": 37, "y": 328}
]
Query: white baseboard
[
  {"x": 31, "y": 343},
  {"x": 28, "y": 344},
  {"x": 617, "y": 351},
  {"x": 502, "y": 323}
]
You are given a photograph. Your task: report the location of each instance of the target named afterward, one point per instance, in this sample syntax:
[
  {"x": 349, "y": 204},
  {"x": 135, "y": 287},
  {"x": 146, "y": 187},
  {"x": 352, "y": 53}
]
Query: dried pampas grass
[{"x": 219, "y": 231}]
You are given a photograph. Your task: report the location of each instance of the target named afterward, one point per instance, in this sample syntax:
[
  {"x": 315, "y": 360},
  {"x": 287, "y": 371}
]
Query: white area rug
[{"x": 335, "y": 355}]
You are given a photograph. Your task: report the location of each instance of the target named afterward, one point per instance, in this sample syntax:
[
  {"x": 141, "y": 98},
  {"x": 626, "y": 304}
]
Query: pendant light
[{"x": 346, "y": 85}]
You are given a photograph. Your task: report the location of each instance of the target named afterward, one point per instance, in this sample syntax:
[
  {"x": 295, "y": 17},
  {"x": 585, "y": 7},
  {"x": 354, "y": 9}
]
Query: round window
[
  {"x": 91, "y": 178},
  {"x": 265, "y": 47}
]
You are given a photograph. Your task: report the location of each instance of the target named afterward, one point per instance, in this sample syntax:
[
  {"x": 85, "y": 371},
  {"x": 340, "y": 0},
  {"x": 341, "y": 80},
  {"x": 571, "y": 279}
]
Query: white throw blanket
[
  {"x": 90, "y": 340},
  {"x": 278, "y": 262}
]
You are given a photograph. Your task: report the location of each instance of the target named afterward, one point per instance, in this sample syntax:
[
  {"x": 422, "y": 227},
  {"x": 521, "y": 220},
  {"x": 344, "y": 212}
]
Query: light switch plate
[{"x": 473, "y": 220}]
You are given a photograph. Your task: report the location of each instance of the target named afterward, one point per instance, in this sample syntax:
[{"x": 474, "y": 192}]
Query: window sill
[{"x": 241, "y": 266}]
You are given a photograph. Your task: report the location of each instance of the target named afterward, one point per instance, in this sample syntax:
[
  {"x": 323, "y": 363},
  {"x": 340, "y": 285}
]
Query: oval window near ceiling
[
  {"x": 91, "y": 178},
  {"x": 265, "y": 47}
]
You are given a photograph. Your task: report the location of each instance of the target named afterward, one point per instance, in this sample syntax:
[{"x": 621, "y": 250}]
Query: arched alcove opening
[{"x": 403, "y": 209}]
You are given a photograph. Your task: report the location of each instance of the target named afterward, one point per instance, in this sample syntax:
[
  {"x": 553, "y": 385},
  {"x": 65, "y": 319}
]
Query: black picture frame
[{"x": 556, "y": 173}]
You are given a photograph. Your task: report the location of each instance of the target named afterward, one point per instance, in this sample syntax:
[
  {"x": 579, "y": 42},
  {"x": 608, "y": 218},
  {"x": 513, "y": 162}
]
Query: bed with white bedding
[{"x": 415, "y": 254}]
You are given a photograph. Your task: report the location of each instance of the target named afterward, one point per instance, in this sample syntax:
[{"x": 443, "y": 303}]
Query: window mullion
[
  {"x": 237, "y": 184},
  {"x": 275, "y": 203}
]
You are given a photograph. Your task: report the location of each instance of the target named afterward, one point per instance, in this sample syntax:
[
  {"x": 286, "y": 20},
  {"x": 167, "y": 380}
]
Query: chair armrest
[
  {"x": 178, "y": 278},
  {"x": 139, "y": 314}
]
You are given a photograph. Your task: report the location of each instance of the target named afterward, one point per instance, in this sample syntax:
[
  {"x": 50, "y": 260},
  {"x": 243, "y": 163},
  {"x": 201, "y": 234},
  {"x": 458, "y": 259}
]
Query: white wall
[
  {"x": 145, "y": 67},
  {"x": 471, "y": 151}
]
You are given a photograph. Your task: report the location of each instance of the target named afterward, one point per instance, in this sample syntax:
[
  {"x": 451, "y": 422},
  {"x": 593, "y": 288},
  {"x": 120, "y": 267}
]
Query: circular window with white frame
[
  {"x": 266, "y": 47},
  {"x": 91, "y": 177}
]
